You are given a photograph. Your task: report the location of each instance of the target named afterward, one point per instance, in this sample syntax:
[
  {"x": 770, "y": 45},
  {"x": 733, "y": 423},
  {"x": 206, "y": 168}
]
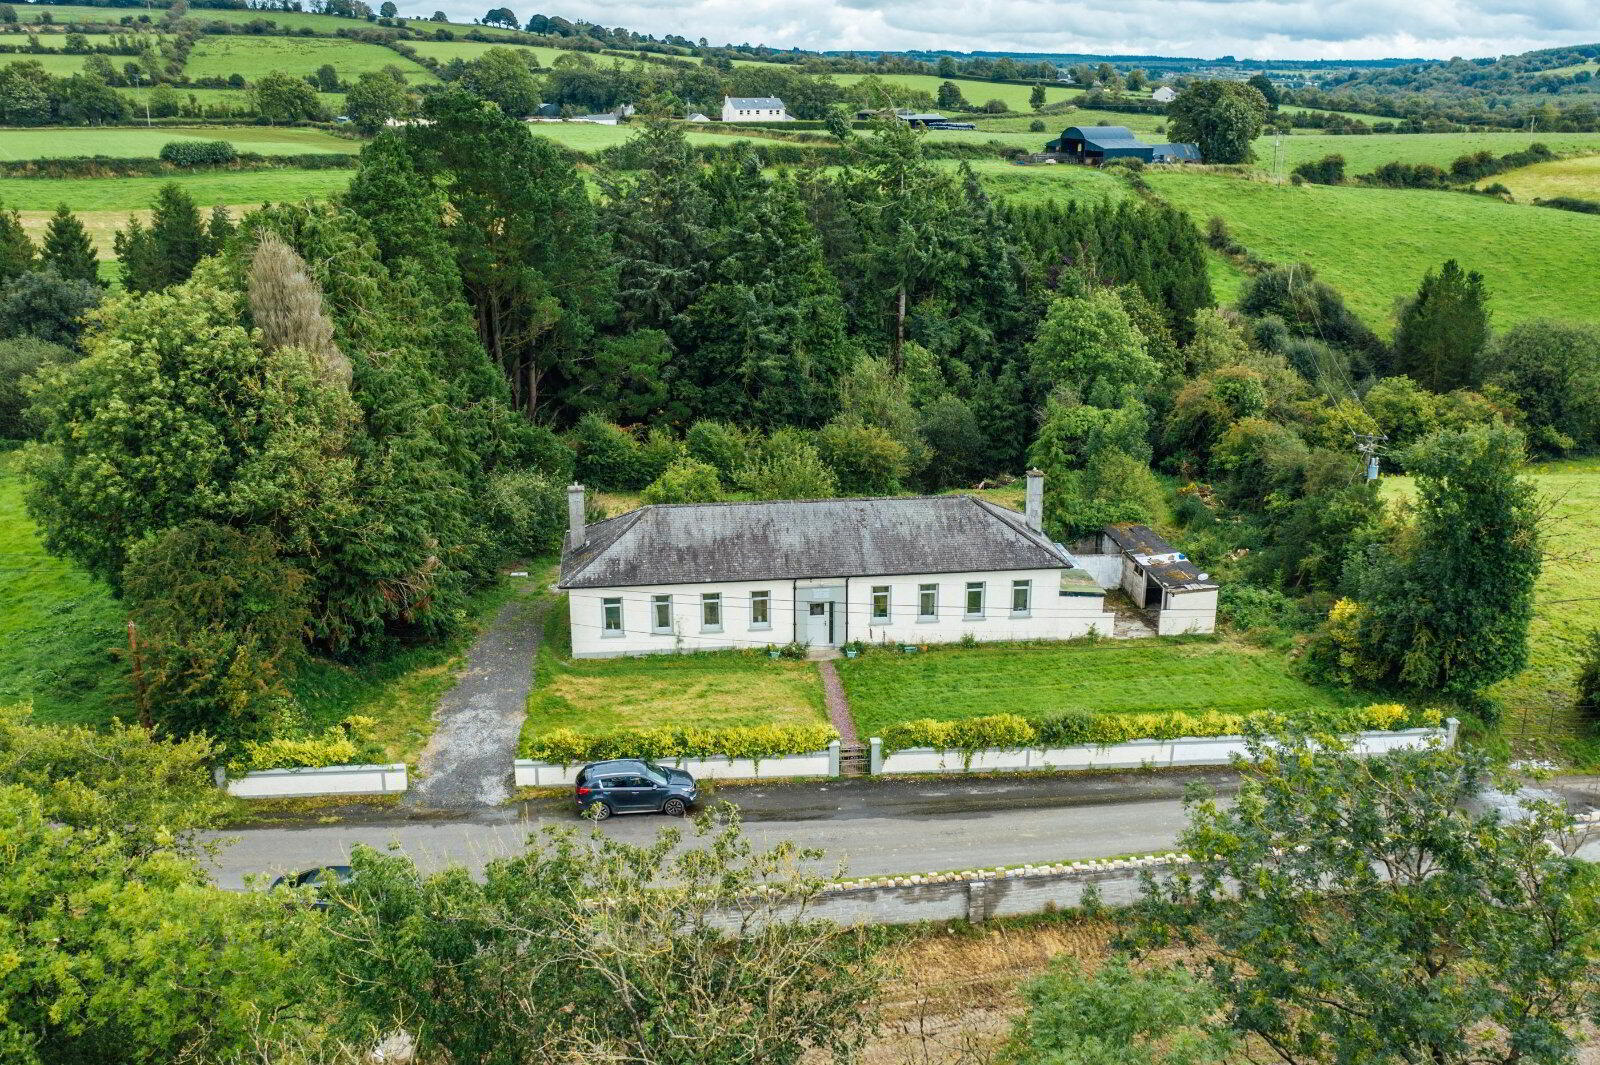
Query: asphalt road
[{"x": 871, "y": 827}]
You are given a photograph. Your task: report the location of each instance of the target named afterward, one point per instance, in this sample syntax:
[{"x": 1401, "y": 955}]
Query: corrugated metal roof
[
  {"x": 1163, "y": 562},
  {"x": 755, "y": 103},
  {"x": 1104, "y": 137},
  {"x": 696, "y": 543},
  {"x": 1182, "y": 153}
]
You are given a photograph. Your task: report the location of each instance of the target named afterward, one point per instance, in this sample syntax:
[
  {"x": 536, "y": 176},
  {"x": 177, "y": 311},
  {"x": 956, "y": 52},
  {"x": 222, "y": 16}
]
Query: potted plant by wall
[
  {"x": 773, "y": 652},
  {"x": 853, "y": 649}
]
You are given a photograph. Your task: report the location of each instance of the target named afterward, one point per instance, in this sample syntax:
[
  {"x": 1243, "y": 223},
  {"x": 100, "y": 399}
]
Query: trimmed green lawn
[
  {"x": 218, "y": 57},
  {"x": 719, "y": 689},
  {"x": 1108, "y": 676},
  {"x": 136, "y": 143},
  {"x": 1375, "y": 244},
  {"x": 208, "y": 189},
  {"x": 977, "y": 93}
]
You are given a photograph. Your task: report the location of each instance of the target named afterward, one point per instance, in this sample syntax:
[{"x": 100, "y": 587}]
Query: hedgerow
[
  {"x": 347, "y": 743},
  {"x": 569, "y": 747},
  {"x": 1080, "y": 728}
]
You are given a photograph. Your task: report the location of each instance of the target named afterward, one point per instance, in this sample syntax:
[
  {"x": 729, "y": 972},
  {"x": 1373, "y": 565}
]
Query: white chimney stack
[
  {"x": 576, "y": 533},
  {"x": 1033, "y": 502}
]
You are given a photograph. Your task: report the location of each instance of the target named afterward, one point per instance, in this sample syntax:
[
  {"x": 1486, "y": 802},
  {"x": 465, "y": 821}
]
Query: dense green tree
[
  {"x": 280, "y": 97},
  {"x": 865, "y": 459},
  {"x": 67, "y": 249},
  {"x": 21, "y": 358},
  {"x": 1263, "y": 85},
  {"x": 1349, "y": 909},
  {"x": 1036, "y": 97},
  {"x": 328, "y": 79},
  {"x": 376, "y": 98},
  {"x": 949, "y": 97},
  {"x": 1222, "y": 117},
  {"x": 387, "y": 9},
  {"x": 17, "y": 253},
  {"x": 1311, "y": 308},
  {"x": 1446, "y": 608},
  {"x": 501, "y": 76},
  {"x": 44, "y": 305},
  {"x": 1552, "y": 371},
  {"x": 1441, "y": 334},
  {"x": 788, "y": 466},
  {"x": 1090, "y": 345},
  {"x": 1587, "y": 703},
  {"x": 27, "y": 94},
  {"x": 685, "y": 481},
  {"x": 167, "y": 251},
  {"x": 960, "y": 449}
]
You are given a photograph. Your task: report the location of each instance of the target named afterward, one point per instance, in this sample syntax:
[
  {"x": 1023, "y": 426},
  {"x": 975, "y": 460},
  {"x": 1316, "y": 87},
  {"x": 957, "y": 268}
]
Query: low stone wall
[
  {"x": 321, "y": 780},
  {"x": 1135, "y": 754},
  {"x": 531, "y": 773}
]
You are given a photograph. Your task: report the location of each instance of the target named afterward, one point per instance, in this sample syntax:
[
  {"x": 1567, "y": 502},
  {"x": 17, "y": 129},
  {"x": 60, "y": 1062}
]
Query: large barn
[{"x": 1097, "y": 144}]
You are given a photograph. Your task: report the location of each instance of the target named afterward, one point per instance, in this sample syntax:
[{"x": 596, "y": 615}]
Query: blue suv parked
[{"x": 633, "y": 786}]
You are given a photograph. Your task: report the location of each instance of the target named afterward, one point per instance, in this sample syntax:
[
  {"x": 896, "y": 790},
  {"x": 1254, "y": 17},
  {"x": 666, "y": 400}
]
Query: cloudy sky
[{"x": 1284, "y": 29}]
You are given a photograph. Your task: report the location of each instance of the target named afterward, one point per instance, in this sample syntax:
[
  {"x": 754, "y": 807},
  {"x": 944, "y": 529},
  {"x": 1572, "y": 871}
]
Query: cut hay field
[
  {"x": 1578, "y": 177},
  {"x": 1375, "y": 244},
  {"x": 131, "y": 142},
  {"x": 218, "y": 57},
  {"x": 1364, "y": 153}
]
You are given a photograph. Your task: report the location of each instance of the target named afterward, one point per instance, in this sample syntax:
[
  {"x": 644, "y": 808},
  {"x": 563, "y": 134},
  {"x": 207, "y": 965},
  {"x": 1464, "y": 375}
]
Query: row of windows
[
  {"x": 974, "y": 605},
  {"x": 710, "y": 613}
]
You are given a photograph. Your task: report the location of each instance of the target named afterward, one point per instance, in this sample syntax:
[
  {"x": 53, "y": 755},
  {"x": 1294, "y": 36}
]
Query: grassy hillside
[
  {"x": 1364, "y": 153},
  {"x": 218, "y": 57},
  {"x": 132, "y": 193},
  {"x": 135, "y": 143},
  {"x": 1036, "y": 184},
  {"x": 1375, "y": 244},
  {"x": 1563, "y": 177},
  {"x": 977, "y": 93},
  {"x": 444, "y": 51},
  {"x": 58, "y": 65}
]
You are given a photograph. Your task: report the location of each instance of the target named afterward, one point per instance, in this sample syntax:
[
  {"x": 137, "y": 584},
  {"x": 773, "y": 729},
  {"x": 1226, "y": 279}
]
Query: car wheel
[
  {"x": 598, "y": 811},
  {"x": 675, "y": 808}
]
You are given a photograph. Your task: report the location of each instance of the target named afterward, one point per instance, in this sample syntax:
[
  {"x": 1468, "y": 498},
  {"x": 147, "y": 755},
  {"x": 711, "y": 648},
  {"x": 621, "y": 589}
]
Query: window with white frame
[
  {"x": 611, "y": 617},
  {"x": 761, "y": 610},
  {"x": 661, "y": 613},
  {"x": 711, "y": 612},
  {"x": 927, "y": 602},
  {"x": 975, "y": 596},
  {"x": 880, "y": 602},
  {"x": 1021, "y": 598}
]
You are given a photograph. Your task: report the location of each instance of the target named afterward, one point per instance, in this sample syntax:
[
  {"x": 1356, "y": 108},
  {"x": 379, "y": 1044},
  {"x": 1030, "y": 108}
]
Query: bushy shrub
[
  {"x": 685, "y": 481},
  {"x": 865, "y": 459},
  {"x": 527, "y": 512},
  {"x": 1252, "y": 607},
  {"x": 1329, "y": 170},
  {"x": 788, "y": 467},
  {"x": 1588, "y": 701},
  {"x": 569, "y": 747},
  {"x": 718, "y": 444},
  {"x": 965, "y": 734},
  {"x": 347, "y": 743},
  {"x": 608, "y": 457},
  {"x": 198, "y": 153}
]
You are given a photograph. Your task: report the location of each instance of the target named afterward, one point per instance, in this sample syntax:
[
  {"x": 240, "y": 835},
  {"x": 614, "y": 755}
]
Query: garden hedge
[
  {"x": 347, "y": 743},
  {"x": 569, "y": 747},
  {"x": 1078, "y": 728}
]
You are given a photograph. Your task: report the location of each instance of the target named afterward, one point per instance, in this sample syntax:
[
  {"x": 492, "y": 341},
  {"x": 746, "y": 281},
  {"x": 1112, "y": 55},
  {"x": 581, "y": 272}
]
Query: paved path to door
[
  {"x": 467, "y": 763},
  {"x": 838, "y": 704}
]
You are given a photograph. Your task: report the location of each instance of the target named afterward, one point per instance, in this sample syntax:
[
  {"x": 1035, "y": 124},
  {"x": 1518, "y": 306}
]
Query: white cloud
[{"x": 1281, "y": 29}]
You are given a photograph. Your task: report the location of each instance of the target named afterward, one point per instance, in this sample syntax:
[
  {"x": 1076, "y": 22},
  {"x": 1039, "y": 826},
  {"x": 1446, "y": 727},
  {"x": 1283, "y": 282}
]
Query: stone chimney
[
  {"x": 576, "y": 533},
  {"x": 1033, "y": 502}
]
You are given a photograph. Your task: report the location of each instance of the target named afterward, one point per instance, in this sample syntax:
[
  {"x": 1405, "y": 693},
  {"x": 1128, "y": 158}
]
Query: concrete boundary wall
[
  {"x": 531, "y": 773},
  {"x": 319, "y": 780},
  {"x": 1135, "y": 754}
]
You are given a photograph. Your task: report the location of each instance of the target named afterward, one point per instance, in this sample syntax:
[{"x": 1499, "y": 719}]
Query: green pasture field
[
  {"x": 133, "y": 142},
  {"x": 136, "y": 193},
  {"x": 59, "y": 66},
  {"x": 1036, "y": 184},
  {"x": 711, "y": 690},
  {"x": 1358, "y": 116},
  {"x": 1539, "y": 718},
  {"x": 1151, "y": 128},
  {"x": 444, "y": 51},
  {"x": 237, "y": 99},
  {"x": 1375, "y": 244},
  {"x": 1107, "y": 676},
  {"x": 67, "y": 14},
  {"x": 218, "y": 57},
  {"x": 1365, "y": 152},
  {"x": 977, "y": 93},
  {"x": 1579, "y": 177}
]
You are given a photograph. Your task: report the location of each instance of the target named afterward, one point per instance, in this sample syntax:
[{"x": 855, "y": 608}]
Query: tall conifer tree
[{"x": 67, "y": 248}]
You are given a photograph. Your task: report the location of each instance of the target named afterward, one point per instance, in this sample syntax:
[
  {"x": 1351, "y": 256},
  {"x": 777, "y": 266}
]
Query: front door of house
[{"x": 819, "y": 624}]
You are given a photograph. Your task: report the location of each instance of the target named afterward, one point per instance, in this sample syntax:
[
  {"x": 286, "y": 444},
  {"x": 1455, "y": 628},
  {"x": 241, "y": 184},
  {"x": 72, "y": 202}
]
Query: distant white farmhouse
[
  {"x": 1164, "y": 95},
  {"x": 823, "y": 572},
  {"x": 754, "y": 109}
]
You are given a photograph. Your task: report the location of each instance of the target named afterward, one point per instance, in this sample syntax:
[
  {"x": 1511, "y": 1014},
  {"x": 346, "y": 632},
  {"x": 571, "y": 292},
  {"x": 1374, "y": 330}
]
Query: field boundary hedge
[
  {"x": 569, "y": 747},
  {"x": 105, "y": 166}
]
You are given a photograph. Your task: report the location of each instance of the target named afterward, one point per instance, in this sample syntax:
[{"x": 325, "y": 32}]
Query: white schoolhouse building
[
  {"x": 754, "y": 109},
  {"x": 821, "y": 572}
]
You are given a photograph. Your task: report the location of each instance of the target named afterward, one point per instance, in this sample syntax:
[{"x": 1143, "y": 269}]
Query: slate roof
[
  {"x": 696, "y": 543},
  {"x": 1176, "y": 574},
  {"x": 755, "y": 103}
]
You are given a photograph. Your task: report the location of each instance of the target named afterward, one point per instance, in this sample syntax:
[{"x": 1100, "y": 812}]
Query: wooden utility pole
[{"x": 140, "y": 698}]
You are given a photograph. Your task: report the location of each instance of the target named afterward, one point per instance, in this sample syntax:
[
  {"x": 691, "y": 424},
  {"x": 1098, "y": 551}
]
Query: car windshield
[{"x": 655, "y": 772}]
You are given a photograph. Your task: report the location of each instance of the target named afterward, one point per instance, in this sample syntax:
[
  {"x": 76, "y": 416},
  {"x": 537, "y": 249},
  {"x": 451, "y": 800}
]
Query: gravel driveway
[{"x": 467, "y": 762}]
